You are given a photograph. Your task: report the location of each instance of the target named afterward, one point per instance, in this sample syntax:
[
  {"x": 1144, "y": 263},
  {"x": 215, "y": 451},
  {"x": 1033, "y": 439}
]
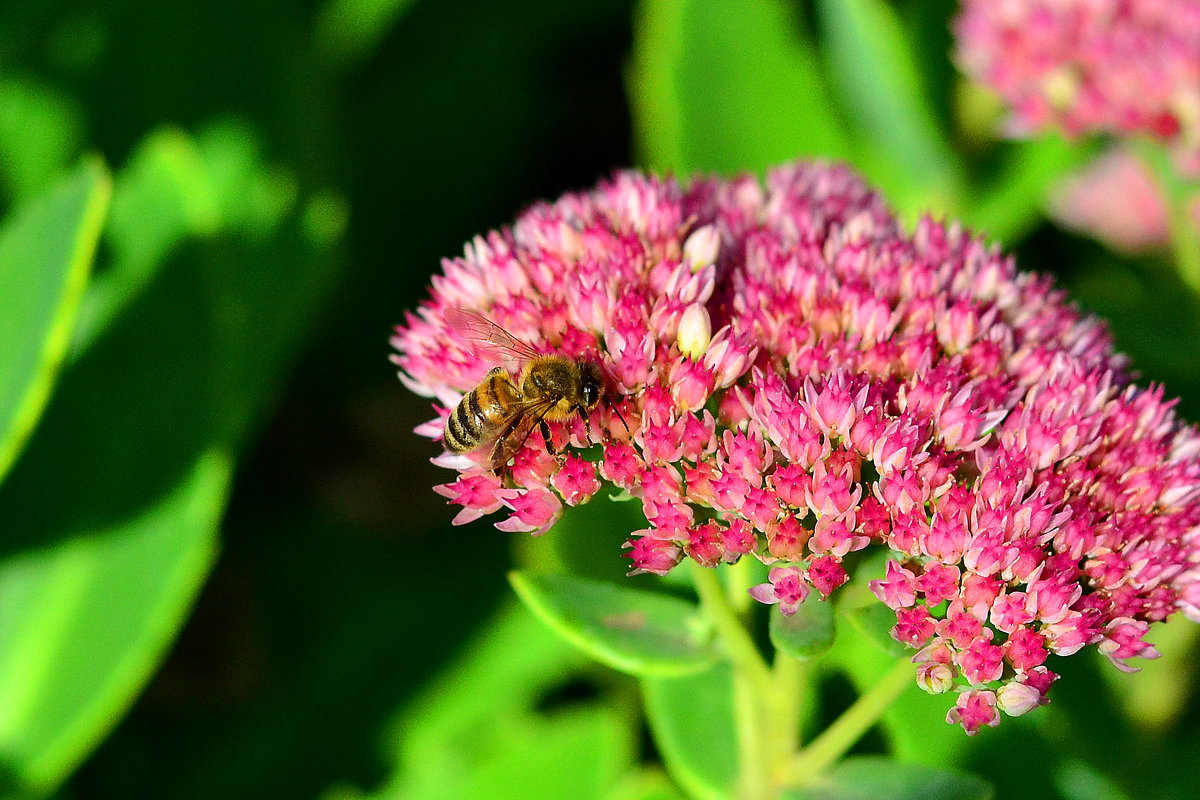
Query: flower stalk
[{"x": 835, "y": 741}]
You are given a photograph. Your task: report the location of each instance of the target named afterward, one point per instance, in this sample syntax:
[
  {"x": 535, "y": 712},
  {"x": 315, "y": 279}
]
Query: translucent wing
[
  {"x": 487, "y": 337},
  {"x": 511, "y": 436}
]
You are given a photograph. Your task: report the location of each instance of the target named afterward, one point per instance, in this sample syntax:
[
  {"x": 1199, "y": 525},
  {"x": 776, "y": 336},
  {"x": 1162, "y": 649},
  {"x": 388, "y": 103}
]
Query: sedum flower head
[
  {"x": 1091, "y": 65},
  {"x": 848, "y": 386}
]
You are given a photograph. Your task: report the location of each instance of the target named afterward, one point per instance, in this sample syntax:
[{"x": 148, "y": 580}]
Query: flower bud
[
  {"x": 695, "y": 330},
  {"x": 701, "y": 248},
  {"x": 1015, "y": 699},
  {"x": 935, "y": 678}
]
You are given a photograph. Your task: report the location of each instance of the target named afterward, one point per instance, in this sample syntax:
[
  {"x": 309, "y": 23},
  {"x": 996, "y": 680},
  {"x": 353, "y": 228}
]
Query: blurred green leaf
[
  {"x": 160, "y": 197},
  {"x": 878, "y": 778},
  {"x": 806, "y": 634},
  {"x": 727, "y": 86},
  {"x": 1010, "y": 204},
  {"x": 644, "y": 784},
  {"x": 873, "y": 64},
  {"x": 40, "y": 134},
  {"x": 631, "y": 630},
  {"x": 130, "y": 463},
  {"x": 1078, "y": 780},
  {"x": 84, "y": 622},
  {"x": 46, "y": 251},
  {"x": 875, "y": 621},
  {"x": 503, "y": 671},
  {"x": 572, "y": 755},
  {"x": 694, "y": 727},
  {"x": 348, "y": 31},
  {"x": 477, "y": 734}
]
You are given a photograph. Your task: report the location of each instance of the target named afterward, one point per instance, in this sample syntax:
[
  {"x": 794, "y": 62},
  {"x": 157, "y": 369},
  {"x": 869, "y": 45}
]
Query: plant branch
[
  {"x": 838, "y": 738},
  {"x": 738, "y": 645}
]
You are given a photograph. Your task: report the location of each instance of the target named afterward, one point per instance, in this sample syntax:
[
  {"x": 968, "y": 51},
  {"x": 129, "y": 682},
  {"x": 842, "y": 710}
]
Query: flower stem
[
  {"x": 753, "y": 685},
  {"x": 739, "y": 646},
  {"x": 1178, "y": 192},
  {"x": 847, "y": 729},
  {"x": 783, "y": 721}
]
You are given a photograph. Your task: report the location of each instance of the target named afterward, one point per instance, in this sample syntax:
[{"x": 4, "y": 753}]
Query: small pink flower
[
  {"x": 477, "y": 492},
  {"x": 787, "y": 588},
  {"x": 939, "y": 582},
  {"x": 1025, "y": 649},
  {"x": 826, "y": 573},
  {"x": 576, "y": 481},
  {"x": 653, "y": 555},
  {"x": 1117, "y": 200},
  {"x": 898, "y": 589},
  {"x": 981, "y": 662},
  {"x": 1017, "y": 698},
  {"x": 914, "y": 626},
  {"x": 974, "y": 710},
  {"x": 1123, "y": 640},
  {"x": 533, "y": 512}
]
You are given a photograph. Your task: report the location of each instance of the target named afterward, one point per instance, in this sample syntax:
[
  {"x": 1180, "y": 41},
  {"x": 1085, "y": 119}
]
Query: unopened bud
[
  {"x": 701, "y": 248},
  {"x": 935, "y": 678},
  {"x": 695, "y": 331},
  {"x": 1015, "y": 699}
]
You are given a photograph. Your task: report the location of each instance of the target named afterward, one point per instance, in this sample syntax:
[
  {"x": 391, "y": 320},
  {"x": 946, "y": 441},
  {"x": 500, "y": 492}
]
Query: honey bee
[{"x": 502, "y": 411}]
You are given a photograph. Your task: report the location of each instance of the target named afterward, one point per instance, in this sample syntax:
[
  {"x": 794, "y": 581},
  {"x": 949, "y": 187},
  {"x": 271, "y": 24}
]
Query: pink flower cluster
[
  {"x": 1086, "y": 66},
  {"x": 800, "y": 379}
]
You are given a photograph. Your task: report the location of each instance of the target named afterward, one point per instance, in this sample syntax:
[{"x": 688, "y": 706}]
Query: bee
[{"x": 502, "y": 411}]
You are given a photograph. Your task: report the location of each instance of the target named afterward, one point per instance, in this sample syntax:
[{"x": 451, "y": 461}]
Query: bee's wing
[
  {"x": 511, "y": 436},
  {"x": 488, "y": 337}
]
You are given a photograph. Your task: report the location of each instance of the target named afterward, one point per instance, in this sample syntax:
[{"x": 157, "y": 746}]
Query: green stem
[
  {"x": 739, "y": 646},
  {"x": 1178, "y": 193},
  {"x": 753, "y": 685},
  {"x": 838, "y": 738},
  {"x": 783, "y": 723}
]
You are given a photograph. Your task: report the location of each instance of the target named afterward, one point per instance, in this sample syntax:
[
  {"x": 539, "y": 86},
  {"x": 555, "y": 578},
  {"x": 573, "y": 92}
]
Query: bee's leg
[
  {"x": 546, "y": 437},
  {"x": 587, "y": 423}
]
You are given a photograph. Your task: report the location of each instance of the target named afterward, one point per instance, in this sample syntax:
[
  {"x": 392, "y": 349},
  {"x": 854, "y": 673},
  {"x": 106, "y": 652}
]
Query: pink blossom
[
  {"x": 793, "y": 378},
  {"x": 897, "y": 590},
  {"x": 1091, "y": 65},
  {"x": 974, "y": 710},
  {"x": 787, "y": 587},
  {"x": 1115, "y": 199}
]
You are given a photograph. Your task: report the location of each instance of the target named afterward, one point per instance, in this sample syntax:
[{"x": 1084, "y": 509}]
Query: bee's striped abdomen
[{"x": 480, "y": 412}]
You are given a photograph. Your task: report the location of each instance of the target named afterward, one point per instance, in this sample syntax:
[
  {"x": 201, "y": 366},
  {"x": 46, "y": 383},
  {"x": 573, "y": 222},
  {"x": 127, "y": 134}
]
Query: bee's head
[{"x": 591, "y": 383}]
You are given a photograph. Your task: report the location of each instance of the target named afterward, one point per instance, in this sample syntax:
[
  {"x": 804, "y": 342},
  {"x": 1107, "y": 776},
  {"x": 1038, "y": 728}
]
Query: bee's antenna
[{"x": 608, "y": 402}]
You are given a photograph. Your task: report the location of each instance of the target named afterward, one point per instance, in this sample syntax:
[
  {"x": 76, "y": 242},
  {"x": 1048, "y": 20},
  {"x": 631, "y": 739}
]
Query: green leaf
[
  {"x": 692, "y": 719},
  {"x": 172, "y": 385},
  {"x": 73, "y": 647},
  {"x": 40, "y": 133},
  {"x": 478, "y": 733},
  {"x": 634, "y": 631},
  {"x": 878, "y": 778},
  {"x": 875, "y": 621},
  {"x": 347, "y": 31},
  {"x": 806, "y": 634},
  {"x": 46, "y": 250},
  {"x": 1012, "y": 203},
  {"x": 727, "y": 85},
  {"x": 161, "y": 196},
  {"x": 504, "y": 670},
  {"x": 644, "y": 784},
  {"x": 876, "y": 70}
]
